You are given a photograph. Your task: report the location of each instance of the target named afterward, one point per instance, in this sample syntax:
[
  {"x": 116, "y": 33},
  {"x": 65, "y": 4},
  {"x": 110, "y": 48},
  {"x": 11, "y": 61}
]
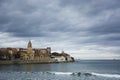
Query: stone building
[
  {"x": 36, "y": 54},
  {"x": 27, "y": 54},
  {"x": 7, "y": 53},
  {"x": 43, "y": 54}
]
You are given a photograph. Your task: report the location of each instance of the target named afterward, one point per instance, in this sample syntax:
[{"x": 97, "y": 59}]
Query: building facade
[
  {"x": 33, "y": 54},
  {"x": 40, "y": 54}
]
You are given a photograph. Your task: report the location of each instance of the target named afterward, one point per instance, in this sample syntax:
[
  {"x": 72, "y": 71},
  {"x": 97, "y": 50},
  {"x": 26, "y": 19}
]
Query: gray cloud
[{"x": 75, "y": 23}]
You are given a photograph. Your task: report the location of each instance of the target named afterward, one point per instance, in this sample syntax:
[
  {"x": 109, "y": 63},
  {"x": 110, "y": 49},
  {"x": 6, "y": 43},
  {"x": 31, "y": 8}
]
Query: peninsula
[{"x": 31, "y": 55}]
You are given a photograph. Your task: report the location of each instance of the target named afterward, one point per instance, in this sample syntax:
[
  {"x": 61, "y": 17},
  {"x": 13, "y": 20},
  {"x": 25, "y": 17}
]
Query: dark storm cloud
[
  {"x": 94, "y": 6},
  {"x": 110, "y": 25},
  {"x": 14, "y": 19},
  {"x": 80, "y": 21}
]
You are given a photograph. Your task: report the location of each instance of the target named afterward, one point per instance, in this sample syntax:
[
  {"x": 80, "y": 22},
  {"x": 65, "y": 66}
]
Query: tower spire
[
  {"x": 29, "y": 47},
  {"x": 29, "y": 44}
]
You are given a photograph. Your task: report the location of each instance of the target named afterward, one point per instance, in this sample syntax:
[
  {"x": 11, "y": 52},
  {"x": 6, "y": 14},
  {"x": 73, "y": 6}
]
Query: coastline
[
  {"x": 29, "y": 62},
  {"x": 31, "y": 55}
]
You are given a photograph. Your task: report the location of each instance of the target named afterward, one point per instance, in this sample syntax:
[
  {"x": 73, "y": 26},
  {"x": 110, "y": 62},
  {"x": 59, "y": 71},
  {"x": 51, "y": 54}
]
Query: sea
[{"x": 78, "y": 70}]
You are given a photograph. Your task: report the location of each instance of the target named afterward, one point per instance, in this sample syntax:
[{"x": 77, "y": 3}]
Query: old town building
[
  {"x": 33, "y": 54},
  {"x": 40, "y": 54}
]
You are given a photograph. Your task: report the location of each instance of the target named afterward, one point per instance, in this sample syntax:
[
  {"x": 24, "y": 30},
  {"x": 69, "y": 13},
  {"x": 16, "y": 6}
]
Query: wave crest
[
  {"x": 87, "y": 74},
  {"x": 107, "y": 75}
]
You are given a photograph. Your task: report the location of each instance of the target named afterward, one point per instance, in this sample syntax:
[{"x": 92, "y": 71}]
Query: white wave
[
  {"x": 94, "y": 74},
  {"x": 61, "y": 73},
  {"x": 107, "y": 75}
]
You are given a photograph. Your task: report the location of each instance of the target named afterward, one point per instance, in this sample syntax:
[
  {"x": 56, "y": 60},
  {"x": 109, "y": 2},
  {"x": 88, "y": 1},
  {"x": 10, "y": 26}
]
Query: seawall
[{"x": 28, "y": 62}]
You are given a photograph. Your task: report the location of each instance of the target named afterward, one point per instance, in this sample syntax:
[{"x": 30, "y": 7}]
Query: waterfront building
[
  {"x": 61, "y": 57},
  {"x": 37, "y": 54},
  {"x": 33, "y": 55},
  {"x": 26, "y": 54}
]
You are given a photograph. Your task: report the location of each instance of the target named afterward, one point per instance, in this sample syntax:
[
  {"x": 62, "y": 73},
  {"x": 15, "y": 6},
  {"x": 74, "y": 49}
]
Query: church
[{"x": 37, "y": 54}]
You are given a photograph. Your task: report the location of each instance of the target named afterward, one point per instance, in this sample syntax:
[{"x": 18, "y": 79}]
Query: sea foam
[
  {"x": 62, "y": 73},
  {"x": 87, "y": 74},
  {"x": 107, "y": 75}
]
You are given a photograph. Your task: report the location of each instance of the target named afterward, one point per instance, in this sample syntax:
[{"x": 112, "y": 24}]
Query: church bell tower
[{"x": 29, "y": 47}]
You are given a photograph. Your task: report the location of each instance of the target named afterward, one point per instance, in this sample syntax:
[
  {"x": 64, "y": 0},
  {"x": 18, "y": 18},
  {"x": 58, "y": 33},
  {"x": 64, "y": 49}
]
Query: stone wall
[{"x": 27, "y": 62}]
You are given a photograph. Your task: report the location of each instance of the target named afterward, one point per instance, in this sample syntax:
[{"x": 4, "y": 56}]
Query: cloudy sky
[{"x": 86, "y": 29}]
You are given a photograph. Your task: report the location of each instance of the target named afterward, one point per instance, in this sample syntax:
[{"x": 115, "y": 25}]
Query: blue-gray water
[{"x": 79, "y": 70}]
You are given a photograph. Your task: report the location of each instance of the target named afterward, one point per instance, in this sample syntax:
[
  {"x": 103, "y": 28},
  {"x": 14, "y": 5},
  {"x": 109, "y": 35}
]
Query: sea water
[{"x": 79, "y": 70}]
